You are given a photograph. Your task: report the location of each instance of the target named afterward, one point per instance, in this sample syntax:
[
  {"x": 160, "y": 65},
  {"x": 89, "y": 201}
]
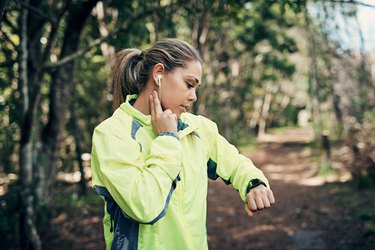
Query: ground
[{"x": 311, "y": 212}]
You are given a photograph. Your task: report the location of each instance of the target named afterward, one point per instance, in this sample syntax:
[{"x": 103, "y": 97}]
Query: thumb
[{"x": 249, "y": 213}]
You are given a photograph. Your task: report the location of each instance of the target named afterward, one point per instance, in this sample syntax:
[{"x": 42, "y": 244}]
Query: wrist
[{"x": 253, "y": 183}]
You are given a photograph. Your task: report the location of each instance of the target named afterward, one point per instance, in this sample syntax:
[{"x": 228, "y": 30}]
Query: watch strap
[{"x": 254, "y": 183}]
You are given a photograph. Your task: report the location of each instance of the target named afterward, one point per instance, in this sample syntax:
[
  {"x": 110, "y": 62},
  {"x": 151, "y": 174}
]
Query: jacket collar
[
  {"x": 127, "y": 107},
  {"x": 185, "y": 127}
]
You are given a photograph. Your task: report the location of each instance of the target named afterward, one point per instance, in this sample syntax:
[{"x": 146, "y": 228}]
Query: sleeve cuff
[
  {"x": 169, "y": 134},
  {"x": 254, "y": 183}
]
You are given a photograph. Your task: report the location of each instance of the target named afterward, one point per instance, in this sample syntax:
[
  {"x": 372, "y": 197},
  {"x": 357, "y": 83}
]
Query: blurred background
[{"x": 291, "y": 83}]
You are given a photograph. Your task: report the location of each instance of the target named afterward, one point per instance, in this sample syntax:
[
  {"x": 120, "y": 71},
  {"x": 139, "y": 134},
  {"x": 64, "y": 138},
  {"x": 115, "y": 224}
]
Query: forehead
[{"x": 192, "y": 69}]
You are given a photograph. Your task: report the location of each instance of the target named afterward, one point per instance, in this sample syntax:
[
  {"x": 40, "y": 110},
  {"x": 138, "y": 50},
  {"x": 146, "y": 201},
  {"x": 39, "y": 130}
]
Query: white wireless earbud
[
  {"x": 159, "y": 80},
  {"x": 159, "y": 84}
]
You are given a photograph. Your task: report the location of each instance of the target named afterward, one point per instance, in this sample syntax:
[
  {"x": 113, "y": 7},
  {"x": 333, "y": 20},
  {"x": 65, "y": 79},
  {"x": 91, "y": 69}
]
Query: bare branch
[
  {"x": 37, "y": 11},
  {"x": 80, "y": 52},
  {"x": 354, "y": 2},
  {"x": 53, "y": 32},
  {"x": 98, "y": 41}
]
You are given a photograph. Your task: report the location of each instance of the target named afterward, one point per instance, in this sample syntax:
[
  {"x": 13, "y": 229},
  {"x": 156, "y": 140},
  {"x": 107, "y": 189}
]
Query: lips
[{"x": 186, "y": 107}]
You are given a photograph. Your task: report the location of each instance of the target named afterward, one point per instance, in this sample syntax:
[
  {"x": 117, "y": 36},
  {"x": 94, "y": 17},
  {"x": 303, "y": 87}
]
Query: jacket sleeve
[
  {"x": 140, "y": 186},
  {"x": 226, "y": 162}
]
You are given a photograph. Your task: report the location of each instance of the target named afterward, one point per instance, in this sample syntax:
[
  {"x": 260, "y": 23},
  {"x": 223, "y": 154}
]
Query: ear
[{"x": 157, "y": 72}]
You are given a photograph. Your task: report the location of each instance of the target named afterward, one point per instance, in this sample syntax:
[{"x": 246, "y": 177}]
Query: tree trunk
[
  {"x": 334, "y": 95},
  {"x": 62, "y": 85},
  {"x": 264, "y": 114},
  {"x": 200, "y": 28},
  {"x": 28, "y": 232},
  {"x": 77, "y": 139},
  {"x": 313, "y": 79},
  {"x": 108, "y": 51}
]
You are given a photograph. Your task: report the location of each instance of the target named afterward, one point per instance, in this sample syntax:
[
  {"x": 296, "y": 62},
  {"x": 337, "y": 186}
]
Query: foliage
[
  {"x": 345, "y": 99},
  {"x": 251, "y": 50},
  {"x": 325, "y": 170},
  {"x": 362, "y": 142},
  {"x": 254, "y": 30}
]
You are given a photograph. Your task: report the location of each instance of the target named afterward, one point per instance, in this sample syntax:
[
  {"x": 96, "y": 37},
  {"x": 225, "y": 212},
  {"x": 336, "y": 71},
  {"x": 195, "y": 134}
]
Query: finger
[
  {"x": 266, "y": 201},
  {"x": 259, "y": 202},
  {"x": 251, "y": 203},
  {"x": 271, "y": 198},
  {"x": 151, "y": 101},
  {"x": 168, "y": 112},
  {"x": 157, "y": 105},
  {"x": 249, "y": 213}
]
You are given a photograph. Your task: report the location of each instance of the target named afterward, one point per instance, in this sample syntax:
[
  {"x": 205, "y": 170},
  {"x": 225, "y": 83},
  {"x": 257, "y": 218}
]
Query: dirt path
[{"x": 306, "y": 216}]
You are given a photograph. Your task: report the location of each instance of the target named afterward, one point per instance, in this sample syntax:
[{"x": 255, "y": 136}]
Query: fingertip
[
  {"x": 250, "y": 214},
  {"x": 273, "y": 201}
]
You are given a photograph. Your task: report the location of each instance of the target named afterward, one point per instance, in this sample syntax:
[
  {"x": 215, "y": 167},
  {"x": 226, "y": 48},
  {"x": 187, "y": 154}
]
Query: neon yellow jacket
[{"x": 155, "y": 186}]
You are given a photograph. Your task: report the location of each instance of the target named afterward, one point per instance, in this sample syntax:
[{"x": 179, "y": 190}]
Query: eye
[{"x": 189, "y": 85}]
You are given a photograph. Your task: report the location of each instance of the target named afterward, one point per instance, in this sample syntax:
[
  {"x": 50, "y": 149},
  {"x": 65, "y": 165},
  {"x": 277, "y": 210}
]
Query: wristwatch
[{"x": 254, "y": 183}]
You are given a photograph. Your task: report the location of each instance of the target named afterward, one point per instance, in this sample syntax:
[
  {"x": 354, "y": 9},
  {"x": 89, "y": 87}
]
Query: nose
[{"x": 192, "y": 95}]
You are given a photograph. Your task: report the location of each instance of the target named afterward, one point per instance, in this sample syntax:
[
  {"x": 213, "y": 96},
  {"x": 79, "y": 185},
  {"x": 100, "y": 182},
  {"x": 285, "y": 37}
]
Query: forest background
[{"x": 267, "y": 64}]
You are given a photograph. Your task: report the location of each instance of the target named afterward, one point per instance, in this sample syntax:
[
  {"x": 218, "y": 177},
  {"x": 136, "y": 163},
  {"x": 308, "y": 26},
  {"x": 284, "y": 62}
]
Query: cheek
[
  {"x": 168, "y": 98},
  {"x": 173, "y": 92}
]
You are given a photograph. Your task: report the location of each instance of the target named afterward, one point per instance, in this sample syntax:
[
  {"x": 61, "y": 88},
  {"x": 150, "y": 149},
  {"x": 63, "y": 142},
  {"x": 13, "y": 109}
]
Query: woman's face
[{"x": 178, "y": 87}]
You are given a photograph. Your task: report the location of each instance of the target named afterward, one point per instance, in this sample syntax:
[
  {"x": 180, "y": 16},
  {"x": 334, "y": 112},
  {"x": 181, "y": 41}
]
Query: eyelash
[{"x": 189, "y": 85}]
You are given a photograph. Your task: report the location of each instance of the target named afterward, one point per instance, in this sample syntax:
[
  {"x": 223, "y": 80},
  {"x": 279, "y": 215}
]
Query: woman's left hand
[{"x": 257, "y": 199}]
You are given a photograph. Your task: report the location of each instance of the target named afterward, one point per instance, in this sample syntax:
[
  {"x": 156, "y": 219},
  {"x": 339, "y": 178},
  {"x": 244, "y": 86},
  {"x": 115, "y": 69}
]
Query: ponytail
[
  {"x": 132, "y": 67},
  {"x": 125, "y": 75}
]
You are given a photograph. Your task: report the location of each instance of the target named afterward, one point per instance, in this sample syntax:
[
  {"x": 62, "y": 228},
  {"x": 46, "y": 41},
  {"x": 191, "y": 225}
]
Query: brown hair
[{"x": 131, "y": 67}]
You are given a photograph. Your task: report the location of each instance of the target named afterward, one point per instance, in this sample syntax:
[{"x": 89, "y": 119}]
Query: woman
[{"x": 151, "y": 159}]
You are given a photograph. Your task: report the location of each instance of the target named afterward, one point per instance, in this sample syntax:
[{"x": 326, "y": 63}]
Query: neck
[{"x": 142, "y": 103}]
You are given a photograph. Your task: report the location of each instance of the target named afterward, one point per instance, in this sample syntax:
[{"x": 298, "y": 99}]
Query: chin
[{"x": 178, "y": 113}]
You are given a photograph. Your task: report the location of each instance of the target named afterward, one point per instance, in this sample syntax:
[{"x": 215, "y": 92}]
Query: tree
[
  {"x": 37, "y": 176},
  {"x": 62, "y": 74},
  {"x": 50, "y": 38},
  {"x": 342, "y": 80}
]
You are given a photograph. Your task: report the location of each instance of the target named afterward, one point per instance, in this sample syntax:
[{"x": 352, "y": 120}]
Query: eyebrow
[{"x": 195, "y": 79}]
